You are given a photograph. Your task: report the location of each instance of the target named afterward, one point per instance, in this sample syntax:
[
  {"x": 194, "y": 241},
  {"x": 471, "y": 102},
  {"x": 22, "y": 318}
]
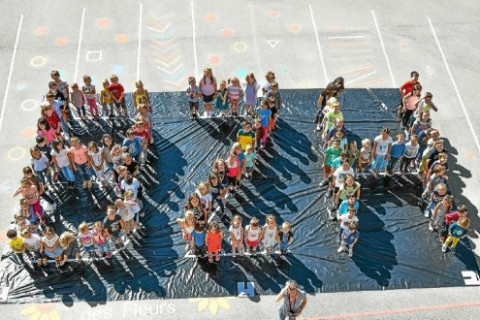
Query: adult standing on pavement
[{"x": 293, "y": 301}]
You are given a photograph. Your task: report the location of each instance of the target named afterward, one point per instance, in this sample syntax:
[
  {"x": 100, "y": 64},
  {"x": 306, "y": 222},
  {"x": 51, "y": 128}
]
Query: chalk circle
[
  {"x": 29, "y": 104},
  {"x": 240, "y": 47},
  {"x": 16, "y": 153},
  {"x": 38, "y": 61}
]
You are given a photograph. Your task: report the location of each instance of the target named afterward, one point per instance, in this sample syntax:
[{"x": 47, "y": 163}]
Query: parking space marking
[
  {"x": 314, "y": 24},
  {"x": 454, "y": 84},
  {"x": 79, "y": 46},
  {"x": 10, "y": 71},
  {"x": 383, "y": 48}
]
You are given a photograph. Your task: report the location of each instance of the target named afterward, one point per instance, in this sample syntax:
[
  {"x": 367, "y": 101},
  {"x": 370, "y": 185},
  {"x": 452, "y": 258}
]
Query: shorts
[
  {"x": 327, "y": 169},
  {"x": 193, "y": 106},
  {"x": 120, "y": 104},
  {"x": 253, "y": 244},
  {"x": 128, "y": 225},
  {"x": 208, "y": 98},
  {"x": 379, "y": 163}
]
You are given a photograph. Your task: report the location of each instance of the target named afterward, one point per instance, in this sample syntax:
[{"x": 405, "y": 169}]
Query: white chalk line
[
  {"x": 314, "y": 24},
  {"x": 79, "y": 46},
  {"x": 383, "y": 48},
  {"x": 346, "y": 37},
  {"x": 361, "y": 77},
  {"x": 140, "y": 15},
  {"x": 194, "y": 41}
]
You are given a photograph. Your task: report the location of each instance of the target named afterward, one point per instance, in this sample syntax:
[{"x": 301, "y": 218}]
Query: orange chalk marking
[
  {"x": 293, "y": 28},
  {"x": 213, "y": 59},
  {"x": 273, "y": 14},
  {"x": 41, "y": 31},
  {"x": 61, "y": 41},
  {"x": 103, "y": 22},
  {"x": 225, "y": 32},
  {"x": 469, "y": 155},
  {"x": 210, "y": 17},
  {"x": 121, "y": 38},
  {"x": 28, "y": 132}
]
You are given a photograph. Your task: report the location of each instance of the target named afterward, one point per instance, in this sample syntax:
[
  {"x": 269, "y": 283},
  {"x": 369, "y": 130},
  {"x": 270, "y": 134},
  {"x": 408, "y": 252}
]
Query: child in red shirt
[
  {"x": 451, "y": 218},
  {"x": 52, "y": 119},
  {"x": 213, "y": 240},
  {"x": 118, "y": 94}
]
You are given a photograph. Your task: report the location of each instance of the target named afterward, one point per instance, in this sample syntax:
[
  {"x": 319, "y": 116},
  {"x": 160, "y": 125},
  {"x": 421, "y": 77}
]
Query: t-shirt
[
  {"x": 451, "y": 217},
  {"x": 411, "y": 151},
  {"x": 340, "y": 176},
  {"x": 50, "y": 242},
  {"x": 331, "y": 119},
  {"x": 424, "y": 107},
  {"x": 96, "y": 156},
  {"x": 382, "y": 145},
  {"x": 48, "y": 134},
  {"x": 33, "y": 243},
  {"x": 86, "y": 239},
  {"x": 79, "y": 155},
  {"x": 346, "y": 221},
  {"x": 343, "y": 208},
  {"x": 337, "y": 162},
  {"x": 250, "y": 158},
  {"x": 116, "y": 89},
  {"x": 331, "y": 154},
  {"x": 349, "y": 237},
  {"x": 132, "y": 167},
  {"x": 253, "y": 234},
  {"x": 234, "y": 92},
  {"x": 193, "y": 93},
  {"x": 132, "y": 206},
  {"x": 348, "y": 190},
  {"x": 46, "y": 149},
  {"x": 16, "y": 244},
  {"x": 245, "y": 138},
  {"x": 397, "y": 150},
  {"x": 113, "y": 226},
  {"x": 40, "y": 164},
  {"x": 105, "y": 97},
  {"x": 456, "y": 230},
  {"x": 89, "y": 88},
  {"x": 264, "y": 115},
  {"x": 62, "y": 86},
  {"x": 407, "y": 87},
  {"x": 236, "y": 232},
  {"x": 205, "y": 198},
  {"x": 134, "y": 186},
  {"x": 61, "y": 157},
  {"x": 125, "y": 214},
  {"x": 198, "y": 238},
  {"x": 134, "y": 145},
  {"x": 232, "y": 168}
]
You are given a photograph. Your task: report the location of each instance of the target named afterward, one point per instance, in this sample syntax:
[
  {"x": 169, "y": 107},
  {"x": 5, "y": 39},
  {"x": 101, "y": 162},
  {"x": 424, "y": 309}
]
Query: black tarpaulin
[{"x": 395, "y": 249}]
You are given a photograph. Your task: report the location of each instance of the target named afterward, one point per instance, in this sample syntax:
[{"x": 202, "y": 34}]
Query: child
[
  {"x": 234, "y": 168},
  {"x": 422, "y": 124},
  {"x": 15, "y": 241},
  {"x": 44, "y": 130},
  {"x": 381, "y": 150},
  {"x": 40, "y": 164},
  {"x": 79, "y": 161},
  {"x": 257, "y": 127},
  {"x": 349, "y": 238},
  {"x": 96, "y": 158},
  {"x": 62, "y": 85},
  {"x": 129, "y": 182},
  {"x": 70, "y": 247},
  {"x": 437, "y": 196},
  {"x": 222, "y": 99},
  {"x": 439, "y": 213},
  {"x": 112, "y": 223},
  {"x": 267, "y": 85},
  {"x": 270, "y": 233},
  {"x": 85, "y": 236},
  {"x": 237, "y": 150},
  {"x": 410, "y": 101},
  {"x": 353, "y": 153},
  {"x": 218, "y": 191},
  {"x": 410, "y": 154},
  {"x": 146, "y": 116},
  {"x": 253, "y": 235},
  {"x": 219, "y": 168},
  {"x": 365, "y": 157},
  {"x": 345, "y": 220},
  {"x": 450, "y": 218},
  {"x": 61, "y": 160},
  {"x": 193, "y": 93},
  {"x": 131, "y": 204},
  {"x": 396, "y": 153},
  {"x": 198, "y": 240},
  {"x": 140, "y": 95},
  {"x": 265, "y": 115},
  {"x": 106, "y": 100},
  {"x": 195, "y": 205},
  {"x": 203, "y": 191},
  {"x": 285, "y": 236},
  {"x": 331, "y": 154},
  {"x": 131, "y": 164},
  {"x": 275, "y": 102},
  {"x": 116, "y": 156},
  {"x": 50, "y": 246},
  {"x": 250, "y": 157},
  {"x": 188, "y": 225},
  {"x": 30, "y": 193},
  {"x": 32, "y": 243},
  {"x": 333, "y": 113},
  {"x": 425, "y": 104},
  {"x": 90, "y": 95},
  {"x": 142, "y": 133},
  {"x": 350, "y": 186},
  {"x": 234, "y": 93},
  {"x": 236, "y": 235},
  {"x": 456, "y": 231},
  {"x": 78, "y": 100},
  {"x": 251, "y": 90},
  {"x": 213, "y": 241},
  {"x": 350, "y": 204},
  {"x": 100, "y": 237},
  {"x": 245, "y": 136},
  {"x": 52, "y": 119},
  {"x": 208, "y": 86},
  {"x": 118, "y": 94},
  {"x": 132, "y": 143},
  {"x": 107, "y": 145},
  {"x": 57, "y": 106}
]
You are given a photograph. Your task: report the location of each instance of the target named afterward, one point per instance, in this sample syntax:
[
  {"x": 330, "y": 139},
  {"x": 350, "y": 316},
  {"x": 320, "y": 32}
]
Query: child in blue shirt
[
  {"x": 250, "y": 157},
  {"x": 285, "y": 236},
  {"x": 132, "y": 143},
  {"x": 345, "y": 205},
  {"x": 265, "y": 116},
  {"x": 198, "y": 240},
  {"x": 349, "y": 239},
  {"x": 456, "y": 231},
  {"x": 396, "y": 153}
]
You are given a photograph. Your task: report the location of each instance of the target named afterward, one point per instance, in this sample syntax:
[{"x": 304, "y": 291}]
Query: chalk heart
[
  {"x": 273, "y": 14},
  {"x": 226, "y": 32}
]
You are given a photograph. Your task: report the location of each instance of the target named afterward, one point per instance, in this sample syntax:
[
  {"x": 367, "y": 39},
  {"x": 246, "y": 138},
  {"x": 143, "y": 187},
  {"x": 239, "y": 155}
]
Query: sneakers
[
  {"x": 350, "y": 252},
  {"x": 426, "y": 213},
  {"x": 340, "y": 249},
  {"x": 431, "y": 228},
  {"x": 444, "y": 248},
  {"x": 324, "y": 183}
]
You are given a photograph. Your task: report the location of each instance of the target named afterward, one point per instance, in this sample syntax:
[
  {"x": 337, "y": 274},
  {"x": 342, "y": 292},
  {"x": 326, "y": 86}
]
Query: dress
[
  {"x": 214, "y": 241},
  {"x": 220, "y": 105},
  {"x": 251, "y": 94},
  {"x": 269, "y": 240}
]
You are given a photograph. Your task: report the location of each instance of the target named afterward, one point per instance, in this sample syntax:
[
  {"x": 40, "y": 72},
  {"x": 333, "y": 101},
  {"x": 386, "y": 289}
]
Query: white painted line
[
  {"x": 383, "y": 48},
  {"x": 171, "y": 72},
  {"x": 361, "y": 77},
  {"x": 454, "y": 85},
  {"x": 347, "y": 37},
  {"x": 93, "y": 56},
  {"x": 160, "y": 30},
  {"x": 79, "y": 46},
  {"x": 194, "y": 41},
  {"x": 140, "y": 14},
  {"x": 273, "y": 43},
  {"x": 10, "y": 71},
  {"x": 314, "y": 24}
]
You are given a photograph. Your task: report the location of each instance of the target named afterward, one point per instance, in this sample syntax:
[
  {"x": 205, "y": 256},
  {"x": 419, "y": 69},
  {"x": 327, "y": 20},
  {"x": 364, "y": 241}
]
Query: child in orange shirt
[{"x": 213, "y": 240}]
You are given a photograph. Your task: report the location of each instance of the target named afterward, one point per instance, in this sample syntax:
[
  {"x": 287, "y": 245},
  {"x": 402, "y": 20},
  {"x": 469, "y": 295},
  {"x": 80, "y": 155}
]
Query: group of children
[
  {"x": 59, "y": 160},
  {"x": 418, "y": 150}
]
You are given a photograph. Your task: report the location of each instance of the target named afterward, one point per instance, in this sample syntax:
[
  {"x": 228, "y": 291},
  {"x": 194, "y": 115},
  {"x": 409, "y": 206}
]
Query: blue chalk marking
[
  {"x": 63, "y": 74},
  {"x": 241, "y": 73},
  {"x": 118, "y": 69},
  {"x": 283, "y": 70},
  {"x": 21, "y": 86}
]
